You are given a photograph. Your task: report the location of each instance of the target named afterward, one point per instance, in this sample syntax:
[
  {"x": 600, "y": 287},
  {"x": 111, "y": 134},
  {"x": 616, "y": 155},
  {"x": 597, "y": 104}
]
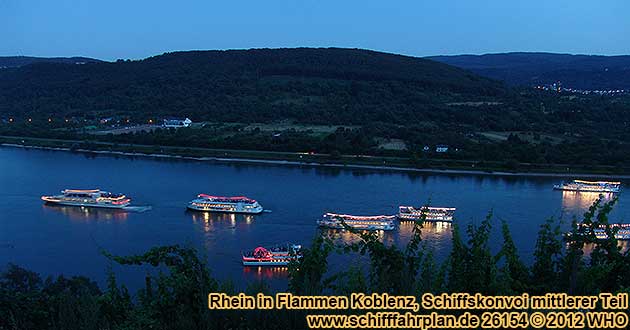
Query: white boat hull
[
  {"x": 94, "y": 205},
  {"x": 276, "y": 257},
  {"x": 623, "y": 236},
  {"x": 256, "y": 210},
  {"x": 369, "y": 228},
  {"x": 279, "y": 263},
  {"x": 426, "y": 213},
  {"x": 95, "y": 198},
  {"x": 412, "y": 217},
  {"x": 589, "y": 186},
  {"x": 583, "y": 189}
]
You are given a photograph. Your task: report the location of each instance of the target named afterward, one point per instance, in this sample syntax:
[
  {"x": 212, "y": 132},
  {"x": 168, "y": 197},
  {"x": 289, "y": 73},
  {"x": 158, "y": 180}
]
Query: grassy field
[
  {"x": 531, "y": 137},
  {"x": 391, "y": 144},
  {"x": 126, "y": 130},
  {"x": 280, "y": 126},
  {"x": 315, "y": 130}
]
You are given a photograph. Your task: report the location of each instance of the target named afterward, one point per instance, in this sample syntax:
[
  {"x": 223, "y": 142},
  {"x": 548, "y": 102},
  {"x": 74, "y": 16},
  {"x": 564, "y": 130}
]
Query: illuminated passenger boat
[
  {"x": 622, "y": 234},
  {"x": 89, "y": 198},
  {"x": 589, "y": 186},
  {"x": 278, "y": 256},
  {"x": 379, "y": 222},
  {"x": 410, "y": 213},
  {"x": 239, "y": 204}
]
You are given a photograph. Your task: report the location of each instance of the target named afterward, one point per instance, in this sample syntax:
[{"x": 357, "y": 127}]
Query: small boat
[
  {"x": 237, "y": 204},
  {"x": 590, "y": 186},
  {"x": 335, "y": 221},
  {"x": 426, "y": 213},
  {"x": 89, "y": 198},
  {"x": 277, "y": 256}
]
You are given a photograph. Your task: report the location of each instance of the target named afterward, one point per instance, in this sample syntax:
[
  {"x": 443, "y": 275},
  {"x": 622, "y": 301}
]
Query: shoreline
[{"x": 317, "y": 164}]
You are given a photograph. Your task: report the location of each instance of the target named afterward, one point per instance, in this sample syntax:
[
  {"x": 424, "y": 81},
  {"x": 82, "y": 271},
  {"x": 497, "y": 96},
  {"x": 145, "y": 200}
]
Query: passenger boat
[
  {"x": 379, "y": 222},
  {"x": 429, "y": 213},
  {"x": 278, "y": 256},
  {"x": 89, "y": 198},
  {"x": 622, "y": 234},
  {"x": 589, "y": 186},
  {"x": 239, "y": 204}
]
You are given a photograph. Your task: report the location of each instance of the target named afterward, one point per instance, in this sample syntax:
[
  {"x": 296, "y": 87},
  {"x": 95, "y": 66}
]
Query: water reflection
[
  {"x": 298, "y": 195},
  {"x": 220, "y": 220},
  {"x": 588, "y": 248},
  {"x": 348, "y": 237},
  {"x": 438, "y": 230},
  {"x": 573, "y": 200},
  {"x": 81, "y": 213},
  {"x": 267, "y": 272},
  {"x": 433, "y": 231}
]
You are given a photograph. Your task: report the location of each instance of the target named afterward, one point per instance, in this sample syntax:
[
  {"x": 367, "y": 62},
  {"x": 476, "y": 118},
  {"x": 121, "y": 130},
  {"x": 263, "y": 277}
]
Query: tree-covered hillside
[
  {"x": 296, "y": 100},
  {"x": 18, "y": 61},
  {"x": 305, "y": 84},
  {"x": 587, "y": 72}
]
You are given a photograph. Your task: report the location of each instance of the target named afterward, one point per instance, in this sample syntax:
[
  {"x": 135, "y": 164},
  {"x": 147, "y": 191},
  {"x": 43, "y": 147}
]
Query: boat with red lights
[
  {"x": 378, "y": 222},
  {"x": 89, "y": 198},
  {"x": 277, "y": 256},
  {"x": 590, "y": 186},
  {"x": 426, "y": 213},
  {"x": 237, "y": 204}
]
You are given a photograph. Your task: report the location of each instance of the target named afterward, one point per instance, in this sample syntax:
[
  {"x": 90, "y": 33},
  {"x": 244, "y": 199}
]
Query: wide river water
[{"x": 67, "y": 240}]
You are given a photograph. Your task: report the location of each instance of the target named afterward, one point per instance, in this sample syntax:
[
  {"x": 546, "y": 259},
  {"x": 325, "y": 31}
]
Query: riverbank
[{"x": 308, "y": 159}]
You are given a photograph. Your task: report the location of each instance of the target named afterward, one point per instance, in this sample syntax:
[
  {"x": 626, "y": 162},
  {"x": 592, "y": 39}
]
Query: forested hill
[
  {"x": 304, "y": 84},
  {"x": 17, "y": 61},
  {"x": 574, "y": 71}
]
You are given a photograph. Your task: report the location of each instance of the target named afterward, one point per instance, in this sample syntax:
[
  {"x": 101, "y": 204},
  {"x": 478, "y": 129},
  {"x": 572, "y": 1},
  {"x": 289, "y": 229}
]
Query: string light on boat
[{"x": 231, "y": 199}]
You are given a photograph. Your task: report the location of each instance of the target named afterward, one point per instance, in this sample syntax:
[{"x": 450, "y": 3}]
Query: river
[{"x": 67, "y": 240}]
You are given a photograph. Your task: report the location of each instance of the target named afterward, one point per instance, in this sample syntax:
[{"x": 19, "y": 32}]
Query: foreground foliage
[{"x": 177, "y": 297}]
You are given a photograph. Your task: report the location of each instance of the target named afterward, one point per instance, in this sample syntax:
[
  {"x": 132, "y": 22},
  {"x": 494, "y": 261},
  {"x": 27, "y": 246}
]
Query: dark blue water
[{"x": 66, "y": 240}]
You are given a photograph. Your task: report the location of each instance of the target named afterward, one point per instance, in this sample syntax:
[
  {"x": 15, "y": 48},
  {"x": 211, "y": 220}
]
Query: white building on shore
[
  {"x": 441, "y": 148},
  {"x": 177, "y": 122}
]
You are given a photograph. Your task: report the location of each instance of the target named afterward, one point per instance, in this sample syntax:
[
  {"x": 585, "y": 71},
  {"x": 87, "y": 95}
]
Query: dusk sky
[{"x": 137, "y": 28}]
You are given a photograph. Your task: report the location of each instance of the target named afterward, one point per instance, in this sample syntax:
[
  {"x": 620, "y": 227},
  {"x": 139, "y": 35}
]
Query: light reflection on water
[
  {"x": 80, "y": 213},
  {"x": 573, "y": 200},
  {"x": 588, "y": 248},
  {"x": 348, "y": 237},
  {"x": 267, "y": 273},
  {"x": 430, "y": 231},
  {"x": 581, "y": 201},
  {"x": 54, "y": 240},
  {"x": 211, "y": 220}
]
